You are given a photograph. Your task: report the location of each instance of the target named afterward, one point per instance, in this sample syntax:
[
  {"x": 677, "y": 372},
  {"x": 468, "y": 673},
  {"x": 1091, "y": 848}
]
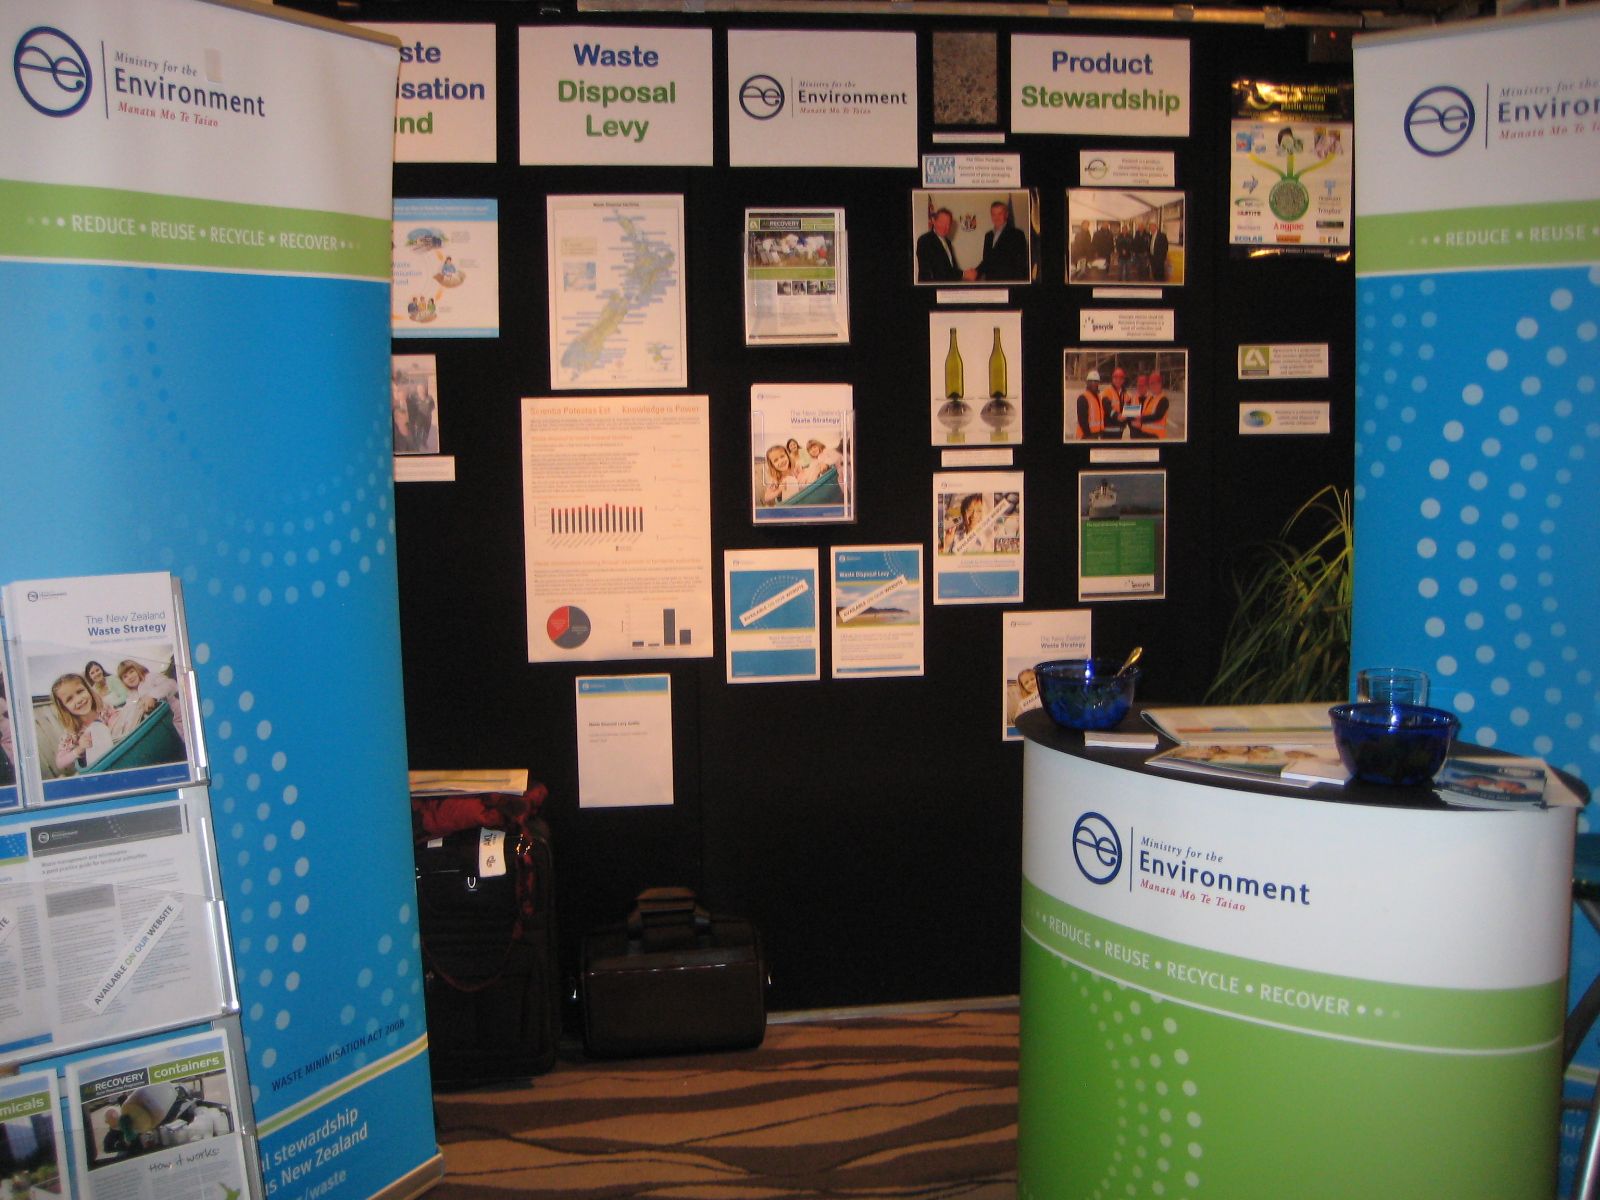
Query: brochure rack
[{"x": 118, "y": 1004}]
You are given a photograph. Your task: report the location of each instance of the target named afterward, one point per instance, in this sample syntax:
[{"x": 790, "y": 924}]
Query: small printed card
[{"x": 1506, "y": 783}]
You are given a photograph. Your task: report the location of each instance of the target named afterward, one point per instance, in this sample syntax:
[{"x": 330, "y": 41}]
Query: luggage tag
[{"x": 491, "y": 853}]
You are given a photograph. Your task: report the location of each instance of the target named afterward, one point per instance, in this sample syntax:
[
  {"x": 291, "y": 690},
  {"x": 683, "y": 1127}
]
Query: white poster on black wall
[
  {"x": 593, "y": 95},
  {"x": 1136, "y": 87},
  {"x": 445, "y": 98},
  {"x": 804, "y": 98}
]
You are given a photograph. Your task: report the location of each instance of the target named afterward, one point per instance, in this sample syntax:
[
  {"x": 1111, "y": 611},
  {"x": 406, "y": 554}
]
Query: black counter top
[{"x": 1037, "y": 726}]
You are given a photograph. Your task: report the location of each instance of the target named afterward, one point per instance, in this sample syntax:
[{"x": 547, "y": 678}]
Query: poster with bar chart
[
  {"x": 617, "y": 527},
  {"x": 608, "y": 520}
]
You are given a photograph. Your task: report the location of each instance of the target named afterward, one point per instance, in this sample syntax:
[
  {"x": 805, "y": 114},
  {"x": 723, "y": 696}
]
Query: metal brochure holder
[{"x": 118, "y": 999}]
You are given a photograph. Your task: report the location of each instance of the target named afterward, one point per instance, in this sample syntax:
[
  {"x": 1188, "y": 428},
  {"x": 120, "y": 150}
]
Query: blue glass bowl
[
  {"x": 1399, "y": 744},
  {"x": 1085, "y": 693}
]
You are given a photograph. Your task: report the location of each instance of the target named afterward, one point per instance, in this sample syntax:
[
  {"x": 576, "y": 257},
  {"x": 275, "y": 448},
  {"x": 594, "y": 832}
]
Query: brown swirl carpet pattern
[{"x": 921, "y": 1106}]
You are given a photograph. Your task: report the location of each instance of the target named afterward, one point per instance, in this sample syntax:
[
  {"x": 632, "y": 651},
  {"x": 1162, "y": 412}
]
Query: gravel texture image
[{"x": 965, "y": 79}]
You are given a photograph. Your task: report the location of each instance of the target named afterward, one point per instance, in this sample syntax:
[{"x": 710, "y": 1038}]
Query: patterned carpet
[{"x": 916, "y": 1105}]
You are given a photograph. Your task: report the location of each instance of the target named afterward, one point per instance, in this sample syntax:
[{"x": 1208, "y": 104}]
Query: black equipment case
[
  {"x": 674, "y": 978},
  {"x": 491, "y": 979}
]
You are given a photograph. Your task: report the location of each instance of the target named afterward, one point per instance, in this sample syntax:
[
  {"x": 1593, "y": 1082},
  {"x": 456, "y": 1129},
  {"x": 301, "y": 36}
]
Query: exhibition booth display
[
  {"x": 1225, "y": 988},
  {"x": 850, "y": 379}
]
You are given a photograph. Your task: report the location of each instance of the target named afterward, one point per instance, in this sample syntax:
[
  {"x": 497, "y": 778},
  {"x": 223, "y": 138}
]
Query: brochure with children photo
[
  {"x": 802, "y": 453},
  {"x": 10, "y": 788},
  {"x": 102, "y": 686}
]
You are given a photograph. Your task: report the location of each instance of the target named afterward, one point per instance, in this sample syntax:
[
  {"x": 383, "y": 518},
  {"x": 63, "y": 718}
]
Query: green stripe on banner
[
  {"x": 1505, "y": 235},
  {"x": 61, "y": 222},
  {"x": 343, "y": 1087},
  {"x": 1393, "y": 1015}
]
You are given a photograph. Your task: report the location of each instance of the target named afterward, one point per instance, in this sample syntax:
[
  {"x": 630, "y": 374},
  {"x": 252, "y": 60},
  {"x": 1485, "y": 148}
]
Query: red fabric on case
[{"x": 435, "y": 816}]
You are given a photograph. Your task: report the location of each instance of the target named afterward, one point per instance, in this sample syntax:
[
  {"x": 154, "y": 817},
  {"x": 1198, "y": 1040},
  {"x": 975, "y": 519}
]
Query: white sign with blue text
[
  {"x": 808, "y": 98},
  {"x": 613, "y": 95},
  {"x": 444, "y": 101}
]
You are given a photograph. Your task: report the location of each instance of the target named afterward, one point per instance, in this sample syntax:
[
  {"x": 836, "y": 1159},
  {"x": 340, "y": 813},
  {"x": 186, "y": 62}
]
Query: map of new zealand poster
[{"x": 616, "y": 292}]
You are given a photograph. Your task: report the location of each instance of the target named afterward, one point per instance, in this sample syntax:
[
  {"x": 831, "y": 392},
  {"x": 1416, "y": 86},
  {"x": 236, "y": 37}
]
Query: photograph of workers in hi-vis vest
[
  {"x": 1115, "y": 236},
  {"x": 1138, "y": 394}
]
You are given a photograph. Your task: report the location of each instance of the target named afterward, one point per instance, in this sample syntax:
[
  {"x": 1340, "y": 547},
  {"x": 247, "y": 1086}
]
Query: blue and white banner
[
  {"x": 1478, "y": 255},
  {"x": 1478, "y": 307},
  {"x": 197, "y": 383}
]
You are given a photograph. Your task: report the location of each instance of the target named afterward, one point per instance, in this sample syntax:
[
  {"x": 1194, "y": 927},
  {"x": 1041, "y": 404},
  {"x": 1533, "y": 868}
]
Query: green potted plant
[{"x": 1289, "y": 639}]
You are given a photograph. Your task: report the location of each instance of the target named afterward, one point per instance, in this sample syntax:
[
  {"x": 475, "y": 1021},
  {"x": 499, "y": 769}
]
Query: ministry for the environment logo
[
  {"x": 1440, "y": 121},
  {"x": 52, "y": 71},
  {"x": 761, "y": 97},
  {"x": 1097, "y": 848}
]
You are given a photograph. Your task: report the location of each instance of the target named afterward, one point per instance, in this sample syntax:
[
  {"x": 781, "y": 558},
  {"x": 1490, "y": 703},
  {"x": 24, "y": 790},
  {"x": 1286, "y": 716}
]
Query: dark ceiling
[{"x": 1356, "y": 14}]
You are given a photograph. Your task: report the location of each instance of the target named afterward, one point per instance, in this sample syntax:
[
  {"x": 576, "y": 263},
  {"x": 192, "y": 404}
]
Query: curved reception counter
[{"x": 1250, "y": 992}]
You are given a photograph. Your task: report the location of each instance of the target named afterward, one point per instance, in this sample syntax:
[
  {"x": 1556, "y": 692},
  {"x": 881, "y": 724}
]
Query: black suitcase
[
  {"x": 673, "y": 979},
  {"x": 490, "y": 977}
]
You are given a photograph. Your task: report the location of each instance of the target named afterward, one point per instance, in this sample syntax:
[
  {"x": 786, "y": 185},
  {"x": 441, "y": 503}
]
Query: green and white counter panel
[{"x": 1231, "y": 993}]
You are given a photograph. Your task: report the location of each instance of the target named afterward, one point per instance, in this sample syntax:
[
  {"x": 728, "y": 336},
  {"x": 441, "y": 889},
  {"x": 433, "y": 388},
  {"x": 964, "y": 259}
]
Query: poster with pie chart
[
  {"x": 617, "y": 527},
  {"x": 568, "y": 627}
]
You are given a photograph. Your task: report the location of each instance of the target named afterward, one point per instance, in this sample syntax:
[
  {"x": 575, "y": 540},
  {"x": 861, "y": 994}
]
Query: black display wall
[{"x": 871, "y": 828}]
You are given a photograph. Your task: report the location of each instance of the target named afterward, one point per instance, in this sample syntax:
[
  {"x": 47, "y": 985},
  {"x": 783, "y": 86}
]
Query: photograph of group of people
[
  {"x": 789, "y": 467},
  {"x": 973, "y": 236},
  {"x": 1117, "y": 236},
  {"x": 1125, "y": 395},
  {"x": 790, "y": 250},
  {"x": 92, "y": 707},
  {"x": 413, "y": 404},
  {"x": 806, "y": 287}
]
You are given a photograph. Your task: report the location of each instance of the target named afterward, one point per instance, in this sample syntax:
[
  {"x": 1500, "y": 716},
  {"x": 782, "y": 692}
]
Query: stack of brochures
[
  {"x": 101, "y": 692},
  {"x": 159, "y": 1118},
  {"x": 112, "y": 927},
  {"x": 113, "y": 938},
  {"x": 1501, "y": 782},
  {"x": 1262, "y": 743}
]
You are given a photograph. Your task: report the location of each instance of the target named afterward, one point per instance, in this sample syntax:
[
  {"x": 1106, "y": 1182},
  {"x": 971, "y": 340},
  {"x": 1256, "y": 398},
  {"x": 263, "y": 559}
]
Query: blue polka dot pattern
[
  {"x": 1477, "y": 446},
  {"x": 273, "y": 505}
]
